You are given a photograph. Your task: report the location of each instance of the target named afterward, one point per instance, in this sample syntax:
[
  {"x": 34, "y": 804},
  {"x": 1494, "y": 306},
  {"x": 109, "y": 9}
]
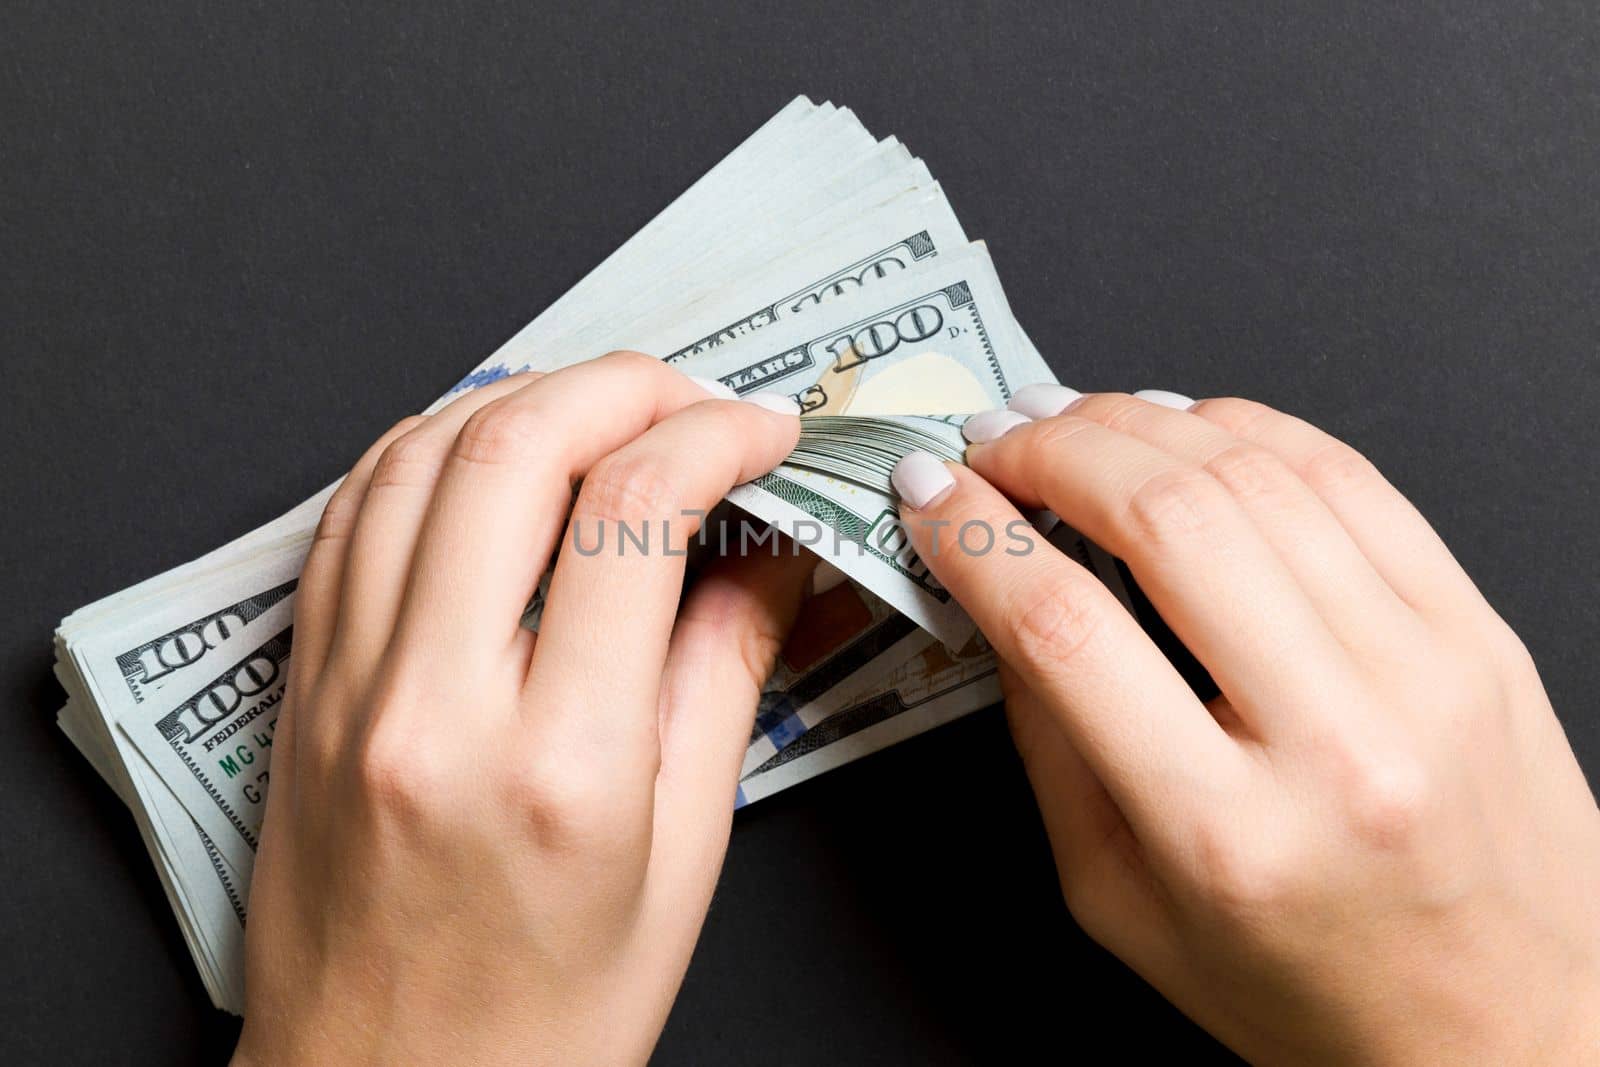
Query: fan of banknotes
[{"x": 851, "y": 287}]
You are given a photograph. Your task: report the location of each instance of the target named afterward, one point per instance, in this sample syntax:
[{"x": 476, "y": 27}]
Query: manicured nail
[
  {"x": 1166, "y": 399},
  {"x": 783, "y": 405},
  {"x": 1043, "y": 400},
  {"x": 988, "y": 425},
  {"x": 825, "y": 577},
  {"x": 921, "y": 479},
  {"x": 714, "y": 387}
]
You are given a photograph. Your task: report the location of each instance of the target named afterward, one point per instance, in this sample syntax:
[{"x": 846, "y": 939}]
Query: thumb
[{"x": 726, "y": 639}]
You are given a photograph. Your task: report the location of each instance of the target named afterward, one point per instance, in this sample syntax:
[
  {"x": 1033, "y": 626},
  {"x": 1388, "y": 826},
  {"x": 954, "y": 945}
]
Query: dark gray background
[{"x": 238, "y": 240}]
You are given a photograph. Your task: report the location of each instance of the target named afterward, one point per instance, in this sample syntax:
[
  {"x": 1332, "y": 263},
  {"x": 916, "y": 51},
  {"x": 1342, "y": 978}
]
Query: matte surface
[{"x": 237, "y": 241}]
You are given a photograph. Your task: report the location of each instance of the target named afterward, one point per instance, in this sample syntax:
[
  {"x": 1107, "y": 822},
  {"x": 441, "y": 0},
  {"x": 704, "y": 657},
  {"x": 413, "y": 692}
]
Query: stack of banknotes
[{"x": 815, "y": 260}]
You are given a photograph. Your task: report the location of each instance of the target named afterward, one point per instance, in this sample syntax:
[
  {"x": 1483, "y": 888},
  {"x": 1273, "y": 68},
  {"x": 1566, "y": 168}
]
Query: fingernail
[
  {"x": 921, "y": 479},
  {"x": 1043, "y": 400},
  {"x": 714, "y": 387},
  {"x": 777, "y": 402},
  {"x": 988, "y": 425},
  {"x": 825, "y": 577},
  {"x": 1166, "y": 399}
]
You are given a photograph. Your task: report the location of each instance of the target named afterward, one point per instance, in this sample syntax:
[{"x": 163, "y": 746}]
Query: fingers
[
  {"x": 733, "y": 622},
  {"x": 503, "y": 494},
  {"x": 1103, "y": 877},
  {"x": 316, "y": 605},
  {"x": 1389, "y": 530},
  {"x": 1342, "y": 584},
  {"x": 384, "y": 536},
  {"x": 1117, "y": 699},
  {"x": 615, "y": 591},
  {"x": 1195, "y": 552}
]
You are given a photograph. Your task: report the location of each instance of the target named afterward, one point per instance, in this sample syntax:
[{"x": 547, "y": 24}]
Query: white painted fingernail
[
  {"x": 714, "y": 387},
  {"x": 988, "y": 425},
  {"x": 1043, "y": 400},
  {"x": 783, "y": 405},
  {"x": 921, "y": 479},
  {"x": 1166, "y": 399},
  {"x": 825, "y": 577}
]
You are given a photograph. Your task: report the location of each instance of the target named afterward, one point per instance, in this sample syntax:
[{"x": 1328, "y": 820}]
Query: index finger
[
  {"x": 501, "y": 499},
  {"x": 1126, "y": 709},
  {"x": 1196, "y": 553},
  {"x": 618, "y": 579}
]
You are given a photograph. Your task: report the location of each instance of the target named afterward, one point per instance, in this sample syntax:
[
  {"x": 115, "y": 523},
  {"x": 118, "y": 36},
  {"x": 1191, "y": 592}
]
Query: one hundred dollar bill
[
  {"x": 910, "y": 232},
  {"x": 834, "y": 497},
  {"x": 844, "y": 642},
  {"x": 165, "y": 666},
  {"x": 814, "y": 259},
  {"x": 213, "y": 747},
  {"x": 938, "y": 339},
  {"x": 931, "y": 338}
]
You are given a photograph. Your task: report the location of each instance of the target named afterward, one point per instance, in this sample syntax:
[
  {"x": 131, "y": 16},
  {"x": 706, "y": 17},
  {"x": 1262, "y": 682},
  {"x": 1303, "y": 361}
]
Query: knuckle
[
  {"x": 1508, "y": 655},
  {"x": 712, "y": 619},
  {"x": 631, "y": 360},
  {"x": 1517, "y": 660},
  {"x": 410, "y": 462},
  {"x": 397, "y": 773},
  {"x": 1238, "y": 874},
  {"x": 1052, "y": 625},
  {"x": 1054, "y": 434},
  {"x": 1173, "y": 503},
  {"x": 1335, "y": 469},
  {"x": 1249, "y": 471},
  {"x": 1235, "y": 414},
  {"x": 522, "y": 379},
  {"x": 406, "y": 425},
  {"x": 1083, "y": 902},
  {"x": 1386, "y": 800},
  {"x": 1114, "y": 411},
  {"x": 501, "y": 433},
  {"x": 338, "y": 516},
  {"x": 1095, "y": 899},
  {"x": 563, "y": 805},
  {"x": 629, "y": 486},
  {"x": 757, "y": 646}
]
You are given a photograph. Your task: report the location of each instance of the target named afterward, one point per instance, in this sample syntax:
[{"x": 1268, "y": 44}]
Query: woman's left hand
[{"x": 482, "y": 846}]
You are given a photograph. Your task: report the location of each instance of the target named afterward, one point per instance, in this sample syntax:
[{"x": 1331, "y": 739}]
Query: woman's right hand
[{"x": 1376, "y": 844}]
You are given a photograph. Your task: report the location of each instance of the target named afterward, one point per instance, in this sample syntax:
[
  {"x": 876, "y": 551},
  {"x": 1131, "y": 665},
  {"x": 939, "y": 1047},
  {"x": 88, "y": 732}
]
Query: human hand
[
  {"x": 482, "y": 846},
  {"x": 1376, "y": 844}
]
